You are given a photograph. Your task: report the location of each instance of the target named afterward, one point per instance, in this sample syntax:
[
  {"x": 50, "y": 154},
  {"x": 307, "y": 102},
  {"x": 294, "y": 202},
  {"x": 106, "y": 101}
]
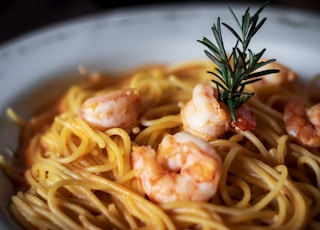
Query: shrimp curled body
[
  {"x": 115, "y": 109},
  {"x": 204, "y": 115},
  {"x": 285, "y": 77},
  {"x": 184, "y": 168},
  {"x": 303, "y": 124}
]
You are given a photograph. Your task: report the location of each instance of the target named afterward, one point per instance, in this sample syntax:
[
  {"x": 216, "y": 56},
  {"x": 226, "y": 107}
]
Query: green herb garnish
[{"x": 239, "y": 68}]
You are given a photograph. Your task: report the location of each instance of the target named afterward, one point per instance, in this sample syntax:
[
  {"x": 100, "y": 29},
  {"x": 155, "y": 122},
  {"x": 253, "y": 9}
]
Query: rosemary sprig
[{"x": 239, "y": 68}]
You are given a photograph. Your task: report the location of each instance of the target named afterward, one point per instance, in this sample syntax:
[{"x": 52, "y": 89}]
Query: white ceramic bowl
[{"x": 35, "y": 67}]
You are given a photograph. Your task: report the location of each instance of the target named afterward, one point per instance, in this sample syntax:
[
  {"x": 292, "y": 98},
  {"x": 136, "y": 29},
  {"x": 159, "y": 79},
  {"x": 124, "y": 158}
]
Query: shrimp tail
[{"x": 245, "y": 119}]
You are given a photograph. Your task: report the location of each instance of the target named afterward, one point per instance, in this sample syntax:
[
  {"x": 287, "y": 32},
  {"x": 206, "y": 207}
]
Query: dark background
[{"x": 18, "y": 17}]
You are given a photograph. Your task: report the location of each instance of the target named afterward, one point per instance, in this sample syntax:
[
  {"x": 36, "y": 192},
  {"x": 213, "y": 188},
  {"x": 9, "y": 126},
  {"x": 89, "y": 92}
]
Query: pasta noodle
[{"x": 76, "y": 176}]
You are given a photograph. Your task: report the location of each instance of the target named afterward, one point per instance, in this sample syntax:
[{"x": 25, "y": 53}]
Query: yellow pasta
[{"x": 80, "y": 177}]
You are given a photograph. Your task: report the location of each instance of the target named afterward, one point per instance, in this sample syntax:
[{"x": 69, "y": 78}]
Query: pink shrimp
[
  {"x": 303, "y": 124},
  {"x": 184, "y": 168},
  {"x": 115, "y": 109},
  {"x": 245, "y": 118},
  {"x": 204, "y": 115},
  {"x": 285, "y": 76}
]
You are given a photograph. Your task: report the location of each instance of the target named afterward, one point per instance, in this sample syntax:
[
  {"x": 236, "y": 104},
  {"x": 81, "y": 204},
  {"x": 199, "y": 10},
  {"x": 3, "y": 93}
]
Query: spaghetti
[{"x": 79, "y": 177}]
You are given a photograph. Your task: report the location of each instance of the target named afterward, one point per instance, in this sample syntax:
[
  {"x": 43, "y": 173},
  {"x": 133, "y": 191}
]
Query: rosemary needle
[{"x": 239, "y": 67}]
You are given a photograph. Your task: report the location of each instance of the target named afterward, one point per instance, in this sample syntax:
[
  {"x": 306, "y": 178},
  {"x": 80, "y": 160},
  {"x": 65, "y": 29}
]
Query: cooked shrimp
[
  {"x": 285, "y": 76},
  {"x": 115, "y": 109},
  {"x": 303, "y": 124},
  {"x": 314, "y": 114},
  {"x": 245, "y": 118},
  {"x": 184, "y": 168},
  {"x": 204, "y": 115}
]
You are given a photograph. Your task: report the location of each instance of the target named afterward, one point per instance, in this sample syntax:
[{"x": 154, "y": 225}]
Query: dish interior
[{"x": 38, "y": 67}]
